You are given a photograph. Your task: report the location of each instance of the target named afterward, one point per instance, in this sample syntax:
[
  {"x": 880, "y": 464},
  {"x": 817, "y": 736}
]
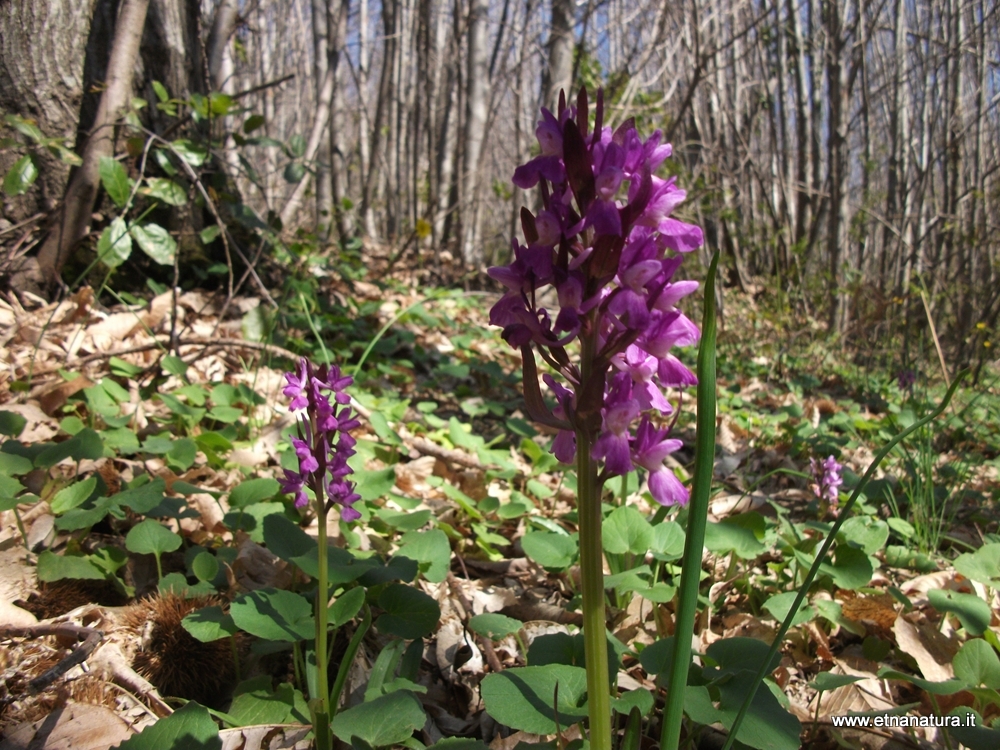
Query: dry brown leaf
[
  {"x": 727, "y": 505},
  {"x": 932, "y": 651},
  {"x": 75, "y": 726}
]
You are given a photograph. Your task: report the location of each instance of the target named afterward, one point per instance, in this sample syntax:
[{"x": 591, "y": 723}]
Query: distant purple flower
[
  {"x": 826, "y": 480},
  {"x": 605, "y": 241},
  {"x": 324, "y": 443}
]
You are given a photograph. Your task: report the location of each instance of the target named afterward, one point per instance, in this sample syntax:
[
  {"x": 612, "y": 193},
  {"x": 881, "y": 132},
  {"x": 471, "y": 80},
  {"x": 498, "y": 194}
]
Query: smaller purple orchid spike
[
  {"x": 324, "y": 443},
  {"x": 826, "y": 480}
]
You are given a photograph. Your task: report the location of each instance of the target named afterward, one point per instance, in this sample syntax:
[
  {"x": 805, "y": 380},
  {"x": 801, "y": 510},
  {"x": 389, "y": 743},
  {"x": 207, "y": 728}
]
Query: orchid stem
[
  {"x": 324, "y": 740},
  {"x": 592, "y": 586}
]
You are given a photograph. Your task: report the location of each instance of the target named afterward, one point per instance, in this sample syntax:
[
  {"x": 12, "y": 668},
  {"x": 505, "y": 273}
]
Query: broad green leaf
[
  {"x": 53, "y": 567},
  {"x": 12, "y": 424},
  {"x": 115, "y": 180},
  {"x": 161, "y": 91},
  {"x": 24, "y": 126},
  {"x": 523, "y": 698},
  {"x": 182, "y": 454},
  {"x": 284, "y": 705},
  {"x": 297, "y": 145},
  {"x": 21, "y": 176},
  {"x": 208, "y": 234},
  {"x": 668, "y": 540},
  {"x": 725, "y": 537},
  {"x": 252, "y": 123},
  {"x": 869, "y": 533},
  {"x": 151, "y": 537},
  {"x": 983, "y": 565},
  {"x": 431, "y": 550},
  {"x": 494, "y": 626},
  {"x": 973, "y": 732},
  {"x": 156, "y": 242},
  {"x": 388, "y": 720},
  {"x": 294, "y": 172},
  {"x": 286, "y": 539},
  {"x": 166, "y": 190},
  {"x": 553, "y": 551},
  {"x": 259, "y": 512},
  {"x": 85, "y": 444},
  {"x": 409, "y": 613},
  {"x": 209, "y": 624},
  {"x": 205, "y": 566},
  {"x": 976, "y": 664},
  {"x": 72, "y": 496},
  {"x": 972, "y": 612},
  {"x": 253, "y": 491},
  {"x": 767, "y": 725},
  {"x": 274, "y": 615},
  {"x": 194, "y": 154},
  {"x": 780, "y": 604},
  {"x": 189, "y": 728},
  {"x": 375, "y": 483},
  {"x": 641, "y": 699},
  {"x": 625, "y": 530},
  {"x": 346, "y": 607},
  {"x": 12, "y": 466},
  {"x": 115, "y": 245},
  {"x": 143, "y": 497}
]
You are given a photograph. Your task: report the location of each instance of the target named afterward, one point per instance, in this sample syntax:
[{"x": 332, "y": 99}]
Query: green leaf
[
  {"x": 869, "y": 533},
  {"x": 767, "y": 725},
  {"x": 156, "y": 242},
  {"x": 205, "y": 566},
  {"x": 189, "y": 728},
  {"x": 625, "y": 530},
  {"x": 297, "y": 145},
  {"x": 12, "y": 465},
  {"x": 523, "y": 698},
  {"x": 115, "y": 245},
  {"x": 828, "y": 681},
  {"x": 983, "y": 565},
  {"x": 973, "y": 733},
  {"x": 780, "y": 604},
  {"x": 285, "y": 705},
  {"x": 668, "y": 540},
  {"x": 150, "y": 537},
  {"x": 431, "y": 550},
  {"x": 375, "y": 483},
  {"x": 53, "y": 567},
  {"x": 274, "y": 615},
  {"x": 208, "y": 234},
  {"x": 253, "y": 491},
  {"x": 166, "y": 190},
  {"x": 161, "y": 91},
  {"x": 85, "y": 444},
  {"x": 252, "y": 123},
  {"x": 12, "y": 424},
  {"x": 641, "y": 699},
  {"x": 294, "y": 172},
  {"x": 409, "y": 613},
  {"x": 494, "y": 626},
  {"x": 553, "y": 551},
  {"x": 976, "y": 664},
  {"x": 346, "y": 607},
  {"x": 948, "y": 687},
  {"x": 285, "y": 539},
  {"x": 851, "y": 568},
  {"x": 143, "y": 497},
  {"x": 25, "y": 126},
  {"x": 209, "y": 624},
  {"x": 725, "y": 537},
  {"x": 194, "y": 154},
  {"x": 388, "y": 720},
  {"x": 971, "y": 611},
  {"x": 21, "y": 176},
  {"x": 115, "y": 180},
  {"x": 73, "y": 495}
]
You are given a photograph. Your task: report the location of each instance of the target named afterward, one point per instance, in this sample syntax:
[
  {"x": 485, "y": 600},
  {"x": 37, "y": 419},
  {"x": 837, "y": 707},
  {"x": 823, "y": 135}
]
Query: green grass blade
[{"x": 704, "y": 459}]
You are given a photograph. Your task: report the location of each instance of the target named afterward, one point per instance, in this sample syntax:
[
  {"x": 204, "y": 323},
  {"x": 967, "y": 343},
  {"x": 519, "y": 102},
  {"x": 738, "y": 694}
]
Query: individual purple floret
[
  {"x": 826, "y": 480},
  {"x": 324, "y": 444},
  {"x": 606, "y": 243}
]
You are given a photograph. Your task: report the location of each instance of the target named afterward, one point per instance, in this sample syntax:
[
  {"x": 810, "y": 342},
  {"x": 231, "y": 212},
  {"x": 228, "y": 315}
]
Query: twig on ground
[{"x": 91, "y": 638}]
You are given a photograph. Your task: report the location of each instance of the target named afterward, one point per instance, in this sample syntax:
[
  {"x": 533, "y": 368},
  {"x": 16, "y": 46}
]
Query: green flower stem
[
  {"x": 324, "y": 740},
  {"x": 704, "y": 459},
  {"x": 345, "y": 663},
  {"x": 845, "y": 513},
  {"x": 595, "y": 642}
]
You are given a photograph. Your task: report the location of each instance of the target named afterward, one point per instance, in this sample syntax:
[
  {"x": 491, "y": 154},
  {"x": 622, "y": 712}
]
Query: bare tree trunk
[
  {"x": 220, "y": 62},
  {"x": 322, "y": 56},
  {"x": 558, "y": 75},
  {"x": 475, "y": 126},
  {"x": 74, "y": 223}
]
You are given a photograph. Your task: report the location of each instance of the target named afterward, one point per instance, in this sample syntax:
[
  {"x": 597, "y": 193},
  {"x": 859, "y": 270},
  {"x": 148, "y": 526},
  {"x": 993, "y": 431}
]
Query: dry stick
[
  {"x": 26, "y": 222},
  {"x": 934, "y": 336},
  {"x": 161, "y": 340},
  {"x": 79, "y": 655}
]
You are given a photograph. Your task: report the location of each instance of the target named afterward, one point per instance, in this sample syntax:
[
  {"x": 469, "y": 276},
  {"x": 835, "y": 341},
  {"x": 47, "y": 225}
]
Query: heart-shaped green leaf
[
  {"x": 388, "y": 720},
  {"x": 409, "y": 613},
  {"x": 151, "y": 537},
  {"x": 523, "y": 698},
  {"x": 274, "y": 615}
]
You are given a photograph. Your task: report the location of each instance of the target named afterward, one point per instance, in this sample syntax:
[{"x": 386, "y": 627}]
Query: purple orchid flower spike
[{"x": 324, "y": 444}]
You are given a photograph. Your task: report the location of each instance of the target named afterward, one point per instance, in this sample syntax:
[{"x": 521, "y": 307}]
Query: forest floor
[{"x": 169, "y": 413}]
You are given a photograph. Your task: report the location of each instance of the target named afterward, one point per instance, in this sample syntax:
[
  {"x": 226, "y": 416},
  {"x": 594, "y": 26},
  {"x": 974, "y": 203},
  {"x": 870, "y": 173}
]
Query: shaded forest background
[{"x": 842, "y": 153}]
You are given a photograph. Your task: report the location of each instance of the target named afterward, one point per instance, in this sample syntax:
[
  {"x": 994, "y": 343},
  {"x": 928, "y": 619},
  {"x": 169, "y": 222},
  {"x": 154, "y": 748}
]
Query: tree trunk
[
  {"x": 475, "y": 126},
  {"x": 74, "y": 222},
  {"x": 558, "y": 75}
]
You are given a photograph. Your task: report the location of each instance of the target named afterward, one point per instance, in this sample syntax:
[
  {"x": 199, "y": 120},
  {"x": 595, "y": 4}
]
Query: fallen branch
[{"x": 91, "y": 639}]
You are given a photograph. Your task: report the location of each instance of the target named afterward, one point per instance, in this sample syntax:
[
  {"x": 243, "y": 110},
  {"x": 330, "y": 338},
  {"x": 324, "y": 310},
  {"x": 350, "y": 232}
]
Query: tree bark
[
  {"x": 74, "y": 222},
  {"x": 475, "y": 125},
  {"x": 558, "y": 74}
]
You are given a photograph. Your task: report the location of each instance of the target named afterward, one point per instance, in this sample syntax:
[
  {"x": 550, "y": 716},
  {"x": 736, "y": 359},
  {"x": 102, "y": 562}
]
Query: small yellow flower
[
  {"x": 987, "y": 344},
  {"x": 980, "y": 325}
]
